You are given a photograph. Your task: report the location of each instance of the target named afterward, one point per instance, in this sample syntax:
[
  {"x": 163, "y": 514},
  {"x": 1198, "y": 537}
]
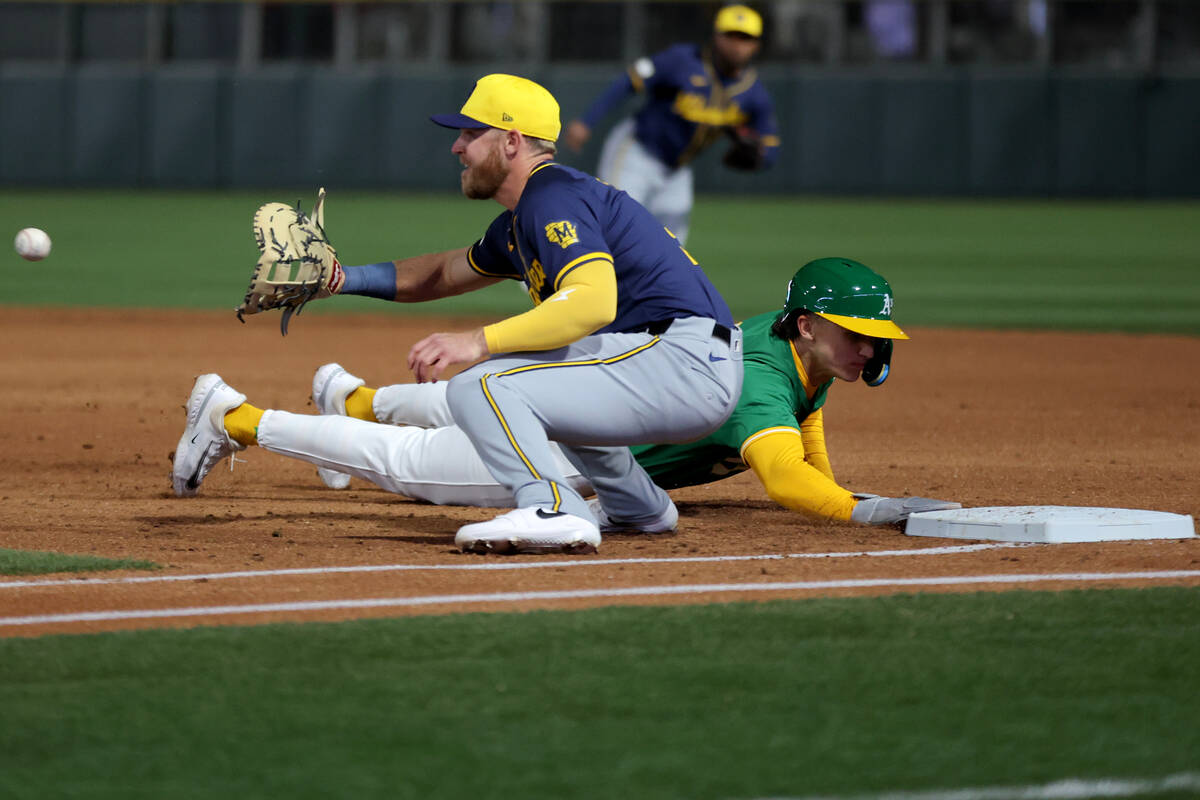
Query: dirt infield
[{"x": 93, "y": 407}]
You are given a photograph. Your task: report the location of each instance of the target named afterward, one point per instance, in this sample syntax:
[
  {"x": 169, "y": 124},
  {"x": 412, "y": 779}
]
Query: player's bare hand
[
  {"x": 577, "y": 135},
  {"x": 431, "y": 356}
]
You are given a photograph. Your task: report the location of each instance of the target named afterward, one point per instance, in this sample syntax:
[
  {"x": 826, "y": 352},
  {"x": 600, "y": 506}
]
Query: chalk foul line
[
  {"x": 1068, "y": 789},
  {"x": 504, "y": 565},
  {"x": 585, "y": 594}
]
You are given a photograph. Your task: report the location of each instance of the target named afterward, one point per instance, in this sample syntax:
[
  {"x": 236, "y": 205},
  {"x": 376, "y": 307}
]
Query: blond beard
[{"x": 482, "y": 181}]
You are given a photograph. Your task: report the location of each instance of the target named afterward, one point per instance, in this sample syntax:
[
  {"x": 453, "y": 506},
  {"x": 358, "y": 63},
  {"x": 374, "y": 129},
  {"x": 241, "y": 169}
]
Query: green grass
[
  {"x": 30, "y": 562},
  {"x": 1033, "y": 264},
  {"x": 829, "y": 696},
  {"x": 1127, "y": 266}
]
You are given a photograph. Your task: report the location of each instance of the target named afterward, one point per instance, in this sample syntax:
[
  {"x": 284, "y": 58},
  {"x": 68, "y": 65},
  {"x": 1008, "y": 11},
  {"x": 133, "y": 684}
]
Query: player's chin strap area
[{"x": 877, "y": 368}]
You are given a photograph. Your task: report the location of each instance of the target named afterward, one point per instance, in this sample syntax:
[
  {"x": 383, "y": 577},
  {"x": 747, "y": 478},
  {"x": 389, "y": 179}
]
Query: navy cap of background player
[{"x": 507, "y": 102}]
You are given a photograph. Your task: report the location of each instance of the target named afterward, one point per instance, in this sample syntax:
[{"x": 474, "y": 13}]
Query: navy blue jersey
[
  {"x": 566, "y": 218},
  {"x": 688, "y": 104}
]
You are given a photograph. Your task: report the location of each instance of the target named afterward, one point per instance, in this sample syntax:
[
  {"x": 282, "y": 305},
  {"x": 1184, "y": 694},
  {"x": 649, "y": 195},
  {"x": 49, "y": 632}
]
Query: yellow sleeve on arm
[
  {"x": 777, "y": 458},
  {"x": 585, "y": 302},
  {"x": 812, "y": 433}
]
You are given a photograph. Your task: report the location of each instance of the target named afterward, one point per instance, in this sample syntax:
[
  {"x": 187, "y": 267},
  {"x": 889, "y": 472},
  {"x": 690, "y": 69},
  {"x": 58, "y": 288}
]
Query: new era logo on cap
[{"x": 507, "y": 102}]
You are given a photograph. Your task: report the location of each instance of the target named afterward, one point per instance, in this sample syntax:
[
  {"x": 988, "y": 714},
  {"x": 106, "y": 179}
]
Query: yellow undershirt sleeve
[
  {"x": 241, "y": 424},
  {"x": 360, "y": 404},
  {"x": 585, "y": 302},
  {"x": 812, "y": 433},
  {"x": 778, "y": 459}
]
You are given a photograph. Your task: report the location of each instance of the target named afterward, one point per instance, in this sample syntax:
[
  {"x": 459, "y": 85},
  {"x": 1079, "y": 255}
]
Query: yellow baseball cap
[
  {"x": 739, "y": 19},
  {"x": 507, "y": 102}
]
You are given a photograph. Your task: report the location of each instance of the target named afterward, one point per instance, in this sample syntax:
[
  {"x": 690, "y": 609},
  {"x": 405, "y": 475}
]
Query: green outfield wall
[{"x": 947, "y": 133}]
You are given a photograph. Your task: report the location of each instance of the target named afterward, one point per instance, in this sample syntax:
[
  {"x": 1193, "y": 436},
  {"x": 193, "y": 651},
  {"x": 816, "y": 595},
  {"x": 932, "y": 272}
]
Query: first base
[{"x": 1050, "y": 524}]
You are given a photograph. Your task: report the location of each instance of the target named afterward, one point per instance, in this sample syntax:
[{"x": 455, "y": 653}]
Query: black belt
[{"x": 659, "y": 327}]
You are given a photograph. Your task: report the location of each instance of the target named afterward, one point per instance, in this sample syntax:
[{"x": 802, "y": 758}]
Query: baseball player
[
  {"x": 694, "y": 97},
  {"x": 835, "y": 324},
  {"x": 628, "y": 341}
]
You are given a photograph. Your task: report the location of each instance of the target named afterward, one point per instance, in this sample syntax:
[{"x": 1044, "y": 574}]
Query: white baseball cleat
[
  {"x": 530, "y": 530},
  {"x": 665, "y": 522},
  {"x": 330, "y": 387},
  {"x": 204, "y": 441}
]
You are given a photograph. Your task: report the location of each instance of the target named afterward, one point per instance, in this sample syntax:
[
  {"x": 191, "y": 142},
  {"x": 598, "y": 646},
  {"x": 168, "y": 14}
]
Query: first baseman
[
  {"x": 695, "y": 96},
  {"x": 628, "y": 342}
]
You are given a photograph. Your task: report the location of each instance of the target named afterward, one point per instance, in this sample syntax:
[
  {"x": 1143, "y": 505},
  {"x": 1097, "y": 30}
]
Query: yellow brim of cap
[{"x": 878, "y": 328}]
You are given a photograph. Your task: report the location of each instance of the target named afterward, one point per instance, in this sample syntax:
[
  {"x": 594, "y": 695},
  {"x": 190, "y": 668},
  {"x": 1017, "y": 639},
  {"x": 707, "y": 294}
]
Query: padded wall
[{"x": 920, "y": 133}]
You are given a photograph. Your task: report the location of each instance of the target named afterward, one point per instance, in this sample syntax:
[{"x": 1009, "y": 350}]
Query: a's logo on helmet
[
  {"x": 887, "y": 305},
  {"x": 562, "y": 234}
]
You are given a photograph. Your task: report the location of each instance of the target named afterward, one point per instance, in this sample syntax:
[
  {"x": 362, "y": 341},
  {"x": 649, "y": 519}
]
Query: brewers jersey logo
[
  {"x": 562, "y": 234},
  {"x": 696, "y": 107}
]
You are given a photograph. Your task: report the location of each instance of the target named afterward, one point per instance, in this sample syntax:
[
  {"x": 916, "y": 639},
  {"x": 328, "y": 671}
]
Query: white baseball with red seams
[{"x": 32, "y": 244}]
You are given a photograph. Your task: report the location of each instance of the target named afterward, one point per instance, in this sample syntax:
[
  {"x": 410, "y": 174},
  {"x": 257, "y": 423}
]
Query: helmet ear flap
[{"x": 878, "y": 366}]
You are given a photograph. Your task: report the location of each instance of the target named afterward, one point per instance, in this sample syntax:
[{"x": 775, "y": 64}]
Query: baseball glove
[
  {"x": 746, "y": 151},
  {"x": 297, "y": 264}
]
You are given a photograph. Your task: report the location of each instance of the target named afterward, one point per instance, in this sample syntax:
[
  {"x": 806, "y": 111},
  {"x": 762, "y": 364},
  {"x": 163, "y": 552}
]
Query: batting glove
[{"x": 872, "y": 509}]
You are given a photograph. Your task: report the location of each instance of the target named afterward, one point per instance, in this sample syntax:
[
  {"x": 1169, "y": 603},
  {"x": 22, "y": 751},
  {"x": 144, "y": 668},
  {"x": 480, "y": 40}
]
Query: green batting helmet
[{"x": 847, "y": 293}]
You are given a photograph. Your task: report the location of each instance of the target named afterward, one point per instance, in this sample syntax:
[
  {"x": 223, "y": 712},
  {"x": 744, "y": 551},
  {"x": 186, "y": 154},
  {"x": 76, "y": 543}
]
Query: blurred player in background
[
  {"x": 835, "y": 325},
  {"x": 694, "y": 96}
]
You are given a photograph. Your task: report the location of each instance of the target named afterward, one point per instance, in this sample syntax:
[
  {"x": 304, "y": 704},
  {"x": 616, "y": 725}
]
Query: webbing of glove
[{"x": 298, "y": 262}]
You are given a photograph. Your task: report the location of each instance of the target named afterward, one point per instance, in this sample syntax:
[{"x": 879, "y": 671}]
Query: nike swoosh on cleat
[
  {"x": 711, "y": 357},
  {"x": 194, "y": 480},
  {"x": 548, "y": 514}
]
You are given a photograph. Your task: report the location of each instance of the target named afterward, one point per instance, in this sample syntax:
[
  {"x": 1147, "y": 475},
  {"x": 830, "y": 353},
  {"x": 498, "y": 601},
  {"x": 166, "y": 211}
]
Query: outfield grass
[
  {"x": 824, "y": 696},
  {"x": 1128, "y": 266}
]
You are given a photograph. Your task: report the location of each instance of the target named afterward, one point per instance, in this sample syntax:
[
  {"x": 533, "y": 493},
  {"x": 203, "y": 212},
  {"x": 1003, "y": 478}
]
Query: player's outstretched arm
[
  {"x": 778, "y": 461},
  {"x": 777, "y": 457},
  {"x": 436, "y": 275},
  {"x": 415, "y": 279}
]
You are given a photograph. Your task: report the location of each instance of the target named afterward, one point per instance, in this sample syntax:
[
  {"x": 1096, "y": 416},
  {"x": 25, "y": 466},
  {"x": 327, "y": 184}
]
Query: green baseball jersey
[{"x": 773, "y": 396}]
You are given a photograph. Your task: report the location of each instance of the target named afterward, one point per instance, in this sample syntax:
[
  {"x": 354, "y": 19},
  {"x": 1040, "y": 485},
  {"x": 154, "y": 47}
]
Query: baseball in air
[{"x": 32, "y": 244}]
